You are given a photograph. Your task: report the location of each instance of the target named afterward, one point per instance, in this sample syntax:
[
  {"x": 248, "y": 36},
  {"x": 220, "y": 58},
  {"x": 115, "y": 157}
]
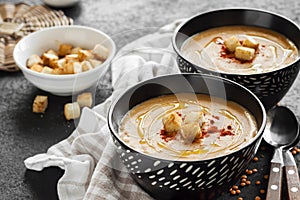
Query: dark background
[{"x": 24, "y": 134}]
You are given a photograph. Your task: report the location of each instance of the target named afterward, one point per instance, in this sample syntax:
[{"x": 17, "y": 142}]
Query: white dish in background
[
  {"x": 61, "y": 3},
  {"x": 66, "y": 84}
]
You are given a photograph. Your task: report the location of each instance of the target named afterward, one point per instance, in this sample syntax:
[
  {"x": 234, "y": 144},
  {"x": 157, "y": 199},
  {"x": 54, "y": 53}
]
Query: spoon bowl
[{"x": 282, "y": 128}]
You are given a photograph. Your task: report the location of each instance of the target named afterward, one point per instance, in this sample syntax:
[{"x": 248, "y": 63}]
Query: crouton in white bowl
[{"x": 64, "y": 60}]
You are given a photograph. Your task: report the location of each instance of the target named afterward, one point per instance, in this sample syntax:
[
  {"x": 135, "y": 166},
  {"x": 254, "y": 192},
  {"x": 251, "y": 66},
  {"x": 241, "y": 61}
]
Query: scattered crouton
[
  {"x": 40, "y": 104},
  {"x": 85, "y": 99},
  {"x": 72, "y": 111}
]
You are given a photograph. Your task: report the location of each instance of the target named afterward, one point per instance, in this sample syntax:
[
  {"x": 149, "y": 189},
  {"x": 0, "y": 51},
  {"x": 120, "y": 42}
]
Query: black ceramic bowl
[
  {"x": 175, "y": 179},
  {"x": 270, "y": 87}
]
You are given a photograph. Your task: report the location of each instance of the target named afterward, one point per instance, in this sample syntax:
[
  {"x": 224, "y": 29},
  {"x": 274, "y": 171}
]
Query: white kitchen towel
[{"x": 88, "y": 156}]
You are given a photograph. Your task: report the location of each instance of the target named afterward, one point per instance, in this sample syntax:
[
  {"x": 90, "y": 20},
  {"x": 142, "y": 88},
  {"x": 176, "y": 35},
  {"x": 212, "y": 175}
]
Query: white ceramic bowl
[
  {"x": 68, "y": 84},
  {"x": 61, "y": 3}
]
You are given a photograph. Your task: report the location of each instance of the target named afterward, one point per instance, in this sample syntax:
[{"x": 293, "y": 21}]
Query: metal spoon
[{"x": 282, "y": 132}]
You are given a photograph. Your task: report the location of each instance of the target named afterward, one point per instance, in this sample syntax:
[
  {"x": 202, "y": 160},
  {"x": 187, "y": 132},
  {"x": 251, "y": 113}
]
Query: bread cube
[
  {"x": 86, "y": 65},
  {"x": 244, "y": 53},
  {"x": 51, "y": 51},
  {"x": 61, "y": 63},
  {"x": 172, "y": 122},
  {"x": 49, "y": 59},
  {"x": 232, "y": 43},
  {"x": 194, "y": 117},
  {"x": 72, "y": 111},
  {"x": 47, "y": 70},
  {"x": 84, "y": 55},
  {"x": 75, "y": 50},
  {"x": 95, "y": 62},
  {"x": 71, "y": 58},
  {"x": 101, "y": 52},
  {"x": 85, "y": 99},
  {"x": 250, "y": 42},
  {"x": 190, "y": 132},
  {"x": 64, "y": 49},
  {"x": 58, "y": 71},
  {"x": 37, "y": 67},
  {"x": 40, "y": 104},
  {"x": 33, "y": 59},
  {"x": 77, "y": 68},
  {"x": 73, "y": 68}
]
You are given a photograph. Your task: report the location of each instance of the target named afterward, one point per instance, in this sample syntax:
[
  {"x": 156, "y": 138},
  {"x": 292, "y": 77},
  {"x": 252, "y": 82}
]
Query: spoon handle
[
  {"x": 292, "y": 176},
  {"x": 274, "y": 186}
]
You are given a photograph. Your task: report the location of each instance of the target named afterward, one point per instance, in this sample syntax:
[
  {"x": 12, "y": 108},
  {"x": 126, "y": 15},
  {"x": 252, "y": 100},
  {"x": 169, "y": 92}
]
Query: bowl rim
[
  {"x": 185, "y": 22},
  {"x": 115, "y": 133},
  {"x": 64, "y": 76}
]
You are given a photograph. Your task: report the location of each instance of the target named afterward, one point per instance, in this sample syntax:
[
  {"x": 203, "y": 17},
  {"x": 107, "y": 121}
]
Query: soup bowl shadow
[
  {"x": 177, "y": 178},
  {"x": 270, "y": 87}
]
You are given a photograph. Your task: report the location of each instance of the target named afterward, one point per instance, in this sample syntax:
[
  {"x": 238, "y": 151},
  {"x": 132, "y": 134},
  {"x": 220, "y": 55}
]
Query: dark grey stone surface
[{"x": 23, "y": 133}]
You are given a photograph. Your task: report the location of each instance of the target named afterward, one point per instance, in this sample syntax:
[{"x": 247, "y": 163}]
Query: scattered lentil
[
  {"x": 243, "y": 184},
  {"x": 266, "y": 176},
  {"x": 262, "y": 191},
  {"x": 248, "y": 182},
  {"x": 257, "y": 182},
  {"x": 244, "y": 176},
  {"x": 255, "y": 159},
  {"x": 257, "y": 198},
  {"x": 255, "y": 170},
  {"x": 235, "y": 187}
]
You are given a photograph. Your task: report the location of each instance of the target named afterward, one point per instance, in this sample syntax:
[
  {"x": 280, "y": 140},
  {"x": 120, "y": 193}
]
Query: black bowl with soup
[
  {"x": 255, "y": 48},
  {"x": 186, "y": 136}
]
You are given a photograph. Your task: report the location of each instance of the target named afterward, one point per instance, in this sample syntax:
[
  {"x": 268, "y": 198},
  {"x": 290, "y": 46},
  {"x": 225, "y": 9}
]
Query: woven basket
[{"x": 17, "y": 21}]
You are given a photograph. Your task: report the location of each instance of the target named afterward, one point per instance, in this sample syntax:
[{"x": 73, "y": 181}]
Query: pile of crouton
[
  {"x": 243, "y": 50},
  {"x": 68, "y": 59}
]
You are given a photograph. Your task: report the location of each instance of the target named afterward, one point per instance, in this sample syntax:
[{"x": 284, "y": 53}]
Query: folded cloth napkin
[{"x": 88, "y": 156}]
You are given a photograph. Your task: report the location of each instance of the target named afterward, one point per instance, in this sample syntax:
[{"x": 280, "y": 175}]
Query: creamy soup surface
[
  {"x": 273, "y": 50},
  {"x": 187, "y": 127}
]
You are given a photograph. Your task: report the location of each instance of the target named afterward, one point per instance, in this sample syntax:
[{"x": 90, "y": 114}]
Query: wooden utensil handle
[
  {"x": 293, "y": 183},
  {"x": 274, "y": 186}
]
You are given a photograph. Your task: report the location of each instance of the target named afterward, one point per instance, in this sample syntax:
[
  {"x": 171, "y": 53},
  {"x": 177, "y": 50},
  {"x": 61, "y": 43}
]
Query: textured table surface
[{"x": 23, "y": 133}]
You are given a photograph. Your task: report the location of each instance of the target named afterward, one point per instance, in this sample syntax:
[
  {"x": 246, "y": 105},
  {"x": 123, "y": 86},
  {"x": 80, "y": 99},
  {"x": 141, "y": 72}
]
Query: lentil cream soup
[
  {"x": 187, "y": 126},
  {"x": 240, "y": 50}
]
